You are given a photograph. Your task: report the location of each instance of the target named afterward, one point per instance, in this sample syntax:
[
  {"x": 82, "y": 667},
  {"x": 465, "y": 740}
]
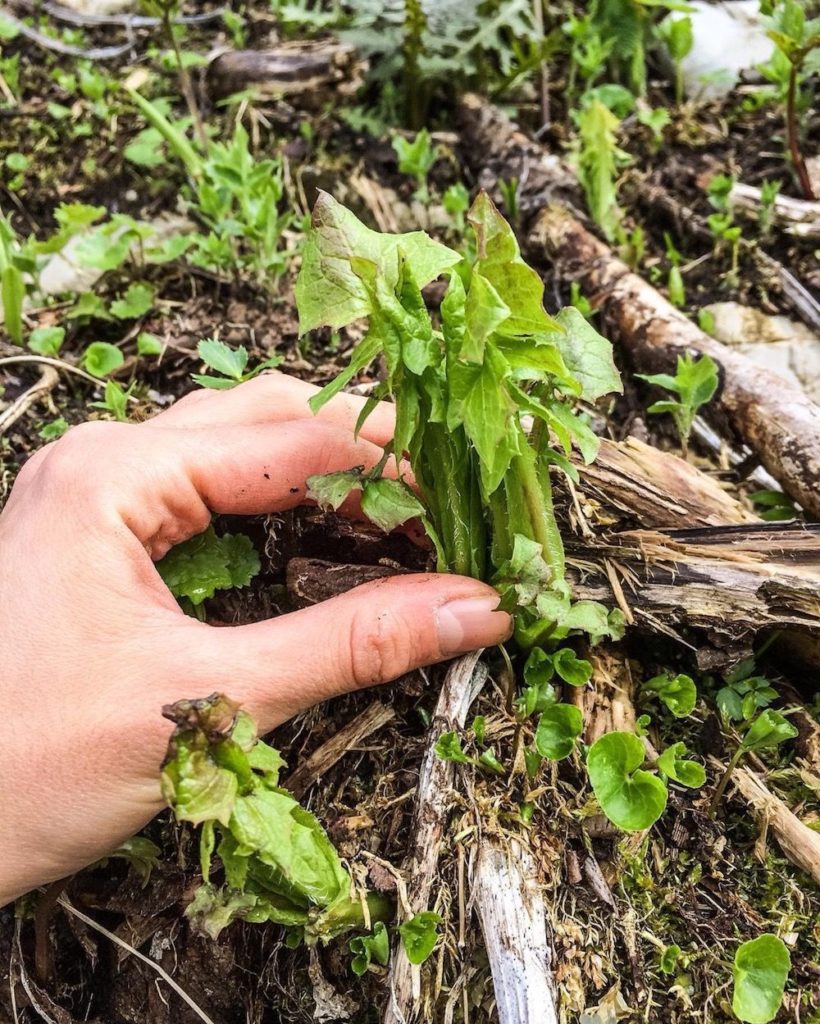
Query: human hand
[{"x": 92, "y": 644}]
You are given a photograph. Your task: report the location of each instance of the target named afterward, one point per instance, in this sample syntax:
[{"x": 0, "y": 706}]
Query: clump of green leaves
[
  {"x": 416, "y": 157},
  {"x": 773, "y": 506},
  {"x": 761, "y": 968},
  {"x": 419, "y": 935},
  {"x": 677, "y": 34},
  {"x": 367, "y": 949},
  {"x": 678, "y": 693},
  {"x": 279, "y": 864},
  {"x": 766, "y": 732},
  {"x": 229, "y": 365},
  {"x": 598, "y": 159},
  {"x": 694, "y": 383},
  {"x": 194, "y": 570}
]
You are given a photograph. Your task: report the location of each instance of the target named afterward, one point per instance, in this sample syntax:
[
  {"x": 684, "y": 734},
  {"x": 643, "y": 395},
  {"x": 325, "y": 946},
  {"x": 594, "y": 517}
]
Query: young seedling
[
  {"x": 744, "y": 693},
  {"x": 230, "y": 365},
  {"x": 773, "y": 506},
  {"x": 677, "y": 34},
  {"x": 675, "y": 765},
  {"x": 115, "y": 400},
  {"x": 678, "y": 693},
  {"x": 598, "y": 160},
  {"x": 766, "y": 732},
  {"x": 194, "y": 570},
  {"x": 674, "y": 283},
  {"x": 419, "y": 936},
  {"x": 279, "y": 864},
  {"x": 695, "y": 383},
  {"x": 760, "y": 970},
  {"x": 417, "y": 159},
  {"x": 102, "y": 359},
  {"x": 367, "y": 949}
]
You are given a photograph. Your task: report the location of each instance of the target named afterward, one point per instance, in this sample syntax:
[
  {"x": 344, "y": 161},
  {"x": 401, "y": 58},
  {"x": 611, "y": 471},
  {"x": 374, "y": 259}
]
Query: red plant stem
[{"x": 791, "y": 131}]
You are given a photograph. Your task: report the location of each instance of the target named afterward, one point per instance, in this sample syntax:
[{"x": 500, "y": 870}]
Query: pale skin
[{"x": 92, "y": 644}]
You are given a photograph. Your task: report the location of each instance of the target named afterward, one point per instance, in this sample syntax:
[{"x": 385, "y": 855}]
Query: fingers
[
  {"x": 237, "y": 470},
  {"x": 275, "y": 398},
  {"x": 370, "y": 635}
]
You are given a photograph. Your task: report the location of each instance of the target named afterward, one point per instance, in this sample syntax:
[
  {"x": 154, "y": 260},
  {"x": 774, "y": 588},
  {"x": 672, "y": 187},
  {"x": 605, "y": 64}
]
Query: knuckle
[
  {"x": 380, "y": 649},
  {"x": 84, "y": 451}
]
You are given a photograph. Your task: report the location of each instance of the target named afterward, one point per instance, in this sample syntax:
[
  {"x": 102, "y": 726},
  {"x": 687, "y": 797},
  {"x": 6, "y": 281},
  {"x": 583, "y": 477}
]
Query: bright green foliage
[
  {"x": 456, "y": 201},
  {"x": 236, "y": 195},
  {"x": 419, "y": 936},
  {"x": 479, "y": 729},
  {"x": 761, "y": 969},
  {"x": 51, "y": 431},
  {"x": 13, "y": 264},
  {"x": 674, "y": 764},
  {"x": 460, "y": 392},
  {"x": 448, "y": 748},
  {"x": 598, "y": 159},
  {"x": 140, "y": 853},
  {"x": 101, "y": 359},
  {"x": 115, "y": 400},
  {"x": 136, "y": 302},
  {"x": 678, "y": 693},
  {"x": 669, "y": 959},
  {"x": 768, "y": 730},
  {"x": 199, "y": 567},
  {"x": 229, "y": 363},
  {"x": 46, "y": 341},
  {"x": 630, "y": 797},
  {"x": 367, "y": 949},
  {"x": 148, "y": 344},
  {"x": 677, "y": 34},
  {"x": 387, "y": 503},
  {"x": 279, "y": 864},
  {"x": 695, "y": 383},
  {"x": 773, "y": 506},
  {"x": 558, "y": 728},
  {"x": 744, "y": 693},
  {"x": 417, "y": 159}
]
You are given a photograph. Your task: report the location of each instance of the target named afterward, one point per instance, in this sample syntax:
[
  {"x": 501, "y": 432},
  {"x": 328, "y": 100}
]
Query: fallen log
[{"x": 773, "y": 416}]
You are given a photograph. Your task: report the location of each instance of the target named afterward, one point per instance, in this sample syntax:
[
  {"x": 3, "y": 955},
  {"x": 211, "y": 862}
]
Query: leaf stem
[
  {"x": 792, "y": 132},
  {"x": 724, "y": 780}
]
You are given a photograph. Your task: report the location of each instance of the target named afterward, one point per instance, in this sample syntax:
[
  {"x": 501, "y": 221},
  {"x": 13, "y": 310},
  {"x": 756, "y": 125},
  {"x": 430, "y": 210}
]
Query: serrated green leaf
[
  {"x": 328, "y": 292},
  {"x": 216, "y": 355},
  {"x": 389, "y": 503},
  {"x": 46, "y": 341},
  {"x": 588, "y": 355},
  {"x": 329, "y": 490},
  {"x": 100, "y": 358},
  {"x": 199, "y": 567}
]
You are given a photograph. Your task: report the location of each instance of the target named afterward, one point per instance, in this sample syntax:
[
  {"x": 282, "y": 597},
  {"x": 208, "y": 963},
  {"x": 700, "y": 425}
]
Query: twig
[
  {"x": 58, "y": 46},
  {"x": 126, "y": 21},
  {"x": 347, "y": 738},
  {"x": 511, "y": 910},
  {"x": 18, "y": 408},
  {"x": 58, "y": 364},
  {"x": 166, "y": 977}
]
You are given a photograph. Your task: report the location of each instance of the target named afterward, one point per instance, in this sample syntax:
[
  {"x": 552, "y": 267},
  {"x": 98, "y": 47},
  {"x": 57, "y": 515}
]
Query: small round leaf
[
  {"x": 760, "y": 971},
  {"x": 631, "y": 798}
]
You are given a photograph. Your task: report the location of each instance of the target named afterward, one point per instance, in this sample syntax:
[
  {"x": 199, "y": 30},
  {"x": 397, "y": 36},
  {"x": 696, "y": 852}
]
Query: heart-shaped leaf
[
  {"x": 630, "y": 797},
  {"x": 558, "y": 728},
  {"x": 760, "y": 971}
]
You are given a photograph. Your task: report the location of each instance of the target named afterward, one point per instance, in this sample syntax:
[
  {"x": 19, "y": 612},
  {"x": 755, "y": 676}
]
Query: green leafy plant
[
  {"x": 722, "y": 222},
  {"x": 796, "y": 58},
  {"x": 230, "y": 365},
  {"x": 674, "y": 283},
  {"x": 46, "y": 341},
  {"x": 766, "y": 732},
  {"x": 417, "y": 158},
  {"x": 678, "y": 693},
  {"x": 115, "y": 400},
  {"x": 559, "y": 725},
  {"x": 675, "y": 765},
  {"x": 419, "y": 936},
  {"x": 744, "y": 693},
  {"x": 632, "y": 798},
  {"x": 13, "y": 264},
  {"x": 773, "y": 506},
  {"x": 194, "y": 570},
  {"x": 760, "y": 970},
  {"x": 598, "y": 159},
  {"x": 448, "y": 748},
  {"x": 279, "y": 864},
  {"x": 367, "y": 949},
  {"x": 236, "y": 197},
  {"x": 102, "y": 359},
  {"x": 695, "y": 383},
  {"x": 677, "y": 34}
]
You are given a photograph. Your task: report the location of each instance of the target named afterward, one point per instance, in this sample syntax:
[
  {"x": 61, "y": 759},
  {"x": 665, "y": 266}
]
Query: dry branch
[
  {"x": 305, "y": 69},
  {"x": 511, "y": 910},
  {"x": 18, "y": 408},
  {"x": 346, "y": 739},
  {"x": 797, "y": 841},
  {"x": 462, "y": 683},
  {"x": 773, "y": 416}
]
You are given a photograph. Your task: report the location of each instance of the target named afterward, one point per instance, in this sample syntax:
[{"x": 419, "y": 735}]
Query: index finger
[{"x": 276, "y": 398}]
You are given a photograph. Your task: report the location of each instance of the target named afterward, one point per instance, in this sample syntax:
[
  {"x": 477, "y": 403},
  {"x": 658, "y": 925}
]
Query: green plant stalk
[
  {"x": 792, "y": 133},
  {"x": 533, "y": 473},
  {"x": 184, "y": 80},
  {"x": 724, "y": 780},
  {"x": 412, "y": 47},
  {"x": 172, "y": 135},
  {"x": 349, "y": 914}
]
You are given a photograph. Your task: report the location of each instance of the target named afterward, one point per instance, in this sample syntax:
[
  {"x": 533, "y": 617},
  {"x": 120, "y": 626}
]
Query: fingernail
[{"x": 471, "y": 622}]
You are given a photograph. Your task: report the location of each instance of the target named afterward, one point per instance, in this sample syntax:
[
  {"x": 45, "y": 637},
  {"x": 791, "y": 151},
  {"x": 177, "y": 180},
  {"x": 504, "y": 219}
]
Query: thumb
[{"x": 366, "y": 636}]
